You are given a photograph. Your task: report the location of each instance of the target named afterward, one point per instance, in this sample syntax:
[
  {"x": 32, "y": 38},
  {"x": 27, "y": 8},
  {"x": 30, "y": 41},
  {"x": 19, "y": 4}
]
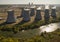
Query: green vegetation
[
  {"x": 7, "y": 32},
  {"x": 43, "y": 37},
  {"x": 18, "y": 27}
]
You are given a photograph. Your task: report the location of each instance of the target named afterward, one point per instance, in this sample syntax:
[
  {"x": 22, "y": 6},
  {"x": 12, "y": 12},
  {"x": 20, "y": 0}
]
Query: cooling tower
[
  {"x": 10, "y": 18},
  {"x": 53, "y": 12},
  {"x": 26, "y": 15},
  {"x": 46, "y": 15},
  {"x": 32, "y": 11},
  {"x": 38, "y": 14}
]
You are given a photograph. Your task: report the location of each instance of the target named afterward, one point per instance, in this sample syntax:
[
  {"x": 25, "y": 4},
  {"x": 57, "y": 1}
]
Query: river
[
  {"x": 50, "y": 27},
  {"x": 33, "y": 32}
]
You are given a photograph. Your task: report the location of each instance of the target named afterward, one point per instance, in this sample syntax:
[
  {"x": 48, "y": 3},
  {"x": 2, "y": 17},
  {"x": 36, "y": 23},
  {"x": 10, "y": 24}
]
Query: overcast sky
[{"x": 27, "y": 1}]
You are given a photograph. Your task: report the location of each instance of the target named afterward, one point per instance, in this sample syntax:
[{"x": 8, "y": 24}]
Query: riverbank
[
  {"x": 44, "y": 37},
  {"x": 19, "y": 27},
  {"x": 27, "y": 33}
]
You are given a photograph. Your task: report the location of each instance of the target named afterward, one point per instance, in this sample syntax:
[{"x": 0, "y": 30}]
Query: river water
[
  {"x": 33, "y": 32},
  {"x": 50, "y": 27},
  {"x": 37, "y": 31}
]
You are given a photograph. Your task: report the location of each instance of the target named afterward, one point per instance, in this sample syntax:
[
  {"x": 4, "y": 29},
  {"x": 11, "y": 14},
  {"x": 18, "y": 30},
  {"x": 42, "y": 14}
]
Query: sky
[{"x": 27, "y": 1}]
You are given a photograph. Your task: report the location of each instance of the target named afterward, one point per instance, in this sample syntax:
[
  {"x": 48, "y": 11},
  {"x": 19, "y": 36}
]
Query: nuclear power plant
[
  {"x": 30, "y": 22},
  {"x": 27, "y": 12}
]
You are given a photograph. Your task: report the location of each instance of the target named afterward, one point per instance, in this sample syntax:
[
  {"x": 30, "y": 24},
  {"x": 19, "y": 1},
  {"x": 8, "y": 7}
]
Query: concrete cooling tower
[
  {"x": 26, "y": 15},
  {"x": 38, "y": 14},
  {"x": 32, "y": 10},
  {"x": 10, "y": 18},
  {"x": 53, "y": 12},
  {"x": 46, "y": 15}
]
